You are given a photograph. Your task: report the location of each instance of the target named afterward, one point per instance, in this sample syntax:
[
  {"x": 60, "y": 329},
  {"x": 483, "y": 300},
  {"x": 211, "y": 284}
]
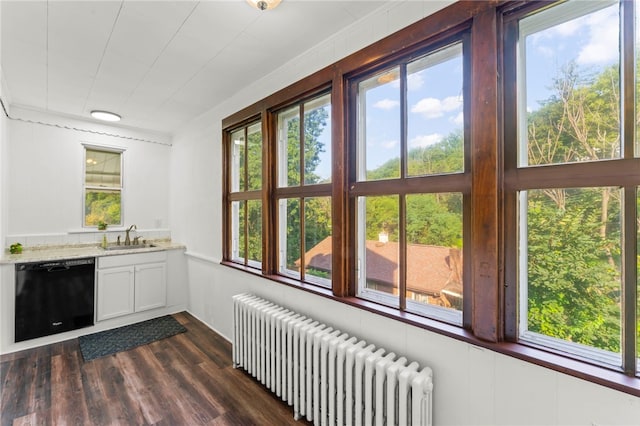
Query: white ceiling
[{"x": 156, "y": 63}]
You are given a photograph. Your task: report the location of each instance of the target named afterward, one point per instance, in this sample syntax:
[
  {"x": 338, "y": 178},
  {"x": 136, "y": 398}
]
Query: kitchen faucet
[{"x": 127, "y": 240}]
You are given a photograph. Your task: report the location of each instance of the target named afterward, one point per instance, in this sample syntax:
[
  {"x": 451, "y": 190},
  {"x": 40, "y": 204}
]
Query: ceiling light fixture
[
  {"x": 264, "y": 4},
  {"x": 105, "y": 115}
]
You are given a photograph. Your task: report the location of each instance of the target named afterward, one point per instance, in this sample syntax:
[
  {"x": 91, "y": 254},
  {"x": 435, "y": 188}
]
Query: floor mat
[{"x": 128, "y": 337}]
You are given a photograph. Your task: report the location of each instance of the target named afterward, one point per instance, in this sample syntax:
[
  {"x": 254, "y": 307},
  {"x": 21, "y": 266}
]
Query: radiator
[{"x": 327, "y": 376}]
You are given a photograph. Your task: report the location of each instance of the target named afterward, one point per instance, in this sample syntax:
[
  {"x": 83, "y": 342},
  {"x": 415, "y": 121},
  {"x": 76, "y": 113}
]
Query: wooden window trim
[{"x": 491, "y": 181}]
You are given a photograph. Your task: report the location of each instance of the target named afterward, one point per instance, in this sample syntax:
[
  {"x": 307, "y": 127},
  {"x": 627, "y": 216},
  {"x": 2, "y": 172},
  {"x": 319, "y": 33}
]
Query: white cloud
[
  {"x": 603, "y": 36},
  {"x": 422, "y": 141},
  {"x": 458, "y": 119},
  {"x": 597, "y": 33},
  {"x": 386, "y": 104},
  {"x": 434, "y": 108},
  {"x": 389, "y": 144},
  {"x": 415, "y": 81}
]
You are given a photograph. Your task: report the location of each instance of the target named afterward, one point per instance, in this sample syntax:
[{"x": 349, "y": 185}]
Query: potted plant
[{"x": 15, "y": 248}]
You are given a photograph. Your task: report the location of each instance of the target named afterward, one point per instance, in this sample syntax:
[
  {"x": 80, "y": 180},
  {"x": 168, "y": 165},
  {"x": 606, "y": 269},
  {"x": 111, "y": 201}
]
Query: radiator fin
[{"x": 327, "y": 376}]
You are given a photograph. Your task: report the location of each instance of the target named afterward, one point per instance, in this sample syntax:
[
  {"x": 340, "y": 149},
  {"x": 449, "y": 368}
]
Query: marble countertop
[{"x": 46, "y": 253}]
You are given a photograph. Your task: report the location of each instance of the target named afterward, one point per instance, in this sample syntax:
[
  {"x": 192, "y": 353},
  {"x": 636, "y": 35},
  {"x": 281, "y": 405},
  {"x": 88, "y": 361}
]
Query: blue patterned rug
[{"x": 128, "y": 337}]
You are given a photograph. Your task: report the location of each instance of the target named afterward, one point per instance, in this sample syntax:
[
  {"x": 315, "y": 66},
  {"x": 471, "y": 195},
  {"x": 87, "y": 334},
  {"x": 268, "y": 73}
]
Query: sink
[{"x": 130, "y": 247}]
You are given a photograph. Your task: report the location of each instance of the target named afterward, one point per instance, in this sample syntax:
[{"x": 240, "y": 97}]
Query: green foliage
[
  {"x": 432, "y": 219},
  {"x": 574, "y": 235},
  {"x": 447, "y": 156},
  {"x": 102, "y": 206},
  {"x": 573, "y": 290},
  {"x": 317, "y": 211}
]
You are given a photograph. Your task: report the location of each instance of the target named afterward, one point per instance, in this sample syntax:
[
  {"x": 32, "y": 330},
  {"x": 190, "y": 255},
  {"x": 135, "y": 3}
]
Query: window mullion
[
  {"x": 627, "y": 79},
  {"x": 402, "y": 255},
  {"x": 630, "y": 289},
  {"x": 630, "y": 232},
  {"x": 301, "y": 145},
  {"x": 303, "y": 249},
  {"x": 402, "y": 237}
]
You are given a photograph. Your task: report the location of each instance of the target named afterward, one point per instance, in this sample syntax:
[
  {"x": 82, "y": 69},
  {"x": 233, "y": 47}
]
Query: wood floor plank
[
  {"x": 68, "y": 405},
  {"x": 187, "y": 379}
]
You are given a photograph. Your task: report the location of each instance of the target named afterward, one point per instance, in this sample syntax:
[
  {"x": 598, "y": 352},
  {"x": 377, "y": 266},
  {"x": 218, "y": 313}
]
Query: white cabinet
[
  {"x": 151, "y": 286},
  {"x": 130, "y": 283},
  {"x": 115, "y": 292}
]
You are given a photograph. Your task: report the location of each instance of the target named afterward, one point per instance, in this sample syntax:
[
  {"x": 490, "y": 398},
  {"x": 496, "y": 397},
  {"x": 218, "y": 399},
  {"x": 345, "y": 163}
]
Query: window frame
[
  {"x": 242, "y": 195},
  {"x": 119, "y": 188},
  {"x": 299, "y": 192},
  {"x": 491, "y": 302},
  {"x": 617, "y": 172},
  {"x": 407, "y": 184}
]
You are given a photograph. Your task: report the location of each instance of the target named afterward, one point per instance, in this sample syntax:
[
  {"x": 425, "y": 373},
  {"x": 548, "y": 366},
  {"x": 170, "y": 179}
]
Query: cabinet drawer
[{"x": 131, "y": 259}]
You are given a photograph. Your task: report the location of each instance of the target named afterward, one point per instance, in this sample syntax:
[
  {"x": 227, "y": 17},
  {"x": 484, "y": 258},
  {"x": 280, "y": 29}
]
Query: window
[
  {"x": 475, "y": 174},
  {"x": 410, "y": 194},
  {"x": 574, "y": 202},
  {"x": 245, "y": 159},
  {"x": 102, "y": 186},
  {"x": 304, "y": 191}
]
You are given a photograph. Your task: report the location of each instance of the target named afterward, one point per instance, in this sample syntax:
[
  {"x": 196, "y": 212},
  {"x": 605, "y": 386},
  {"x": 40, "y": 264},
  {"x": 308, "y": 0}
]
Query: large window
[
  {"x": 410, "y": 146},
  {"x": 245, "y": 160},
  {"x": 102, "y": 186},
  {"x": 475, "y": 174},
  {"x": 574, "y": 205},
  {"x": 304, "y": 191}
]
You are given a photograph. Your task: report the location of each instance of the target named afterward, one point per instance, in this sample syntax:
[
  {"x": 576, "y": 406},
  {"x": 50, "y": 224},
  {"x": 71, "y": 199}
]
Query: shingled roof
[{"x": 430, "y": 269}]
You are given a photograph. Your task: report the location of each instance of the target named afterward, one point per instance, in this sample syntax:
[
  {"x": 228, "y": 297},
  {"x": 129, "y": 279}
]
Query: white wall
[
  {"x": 45, "y": 175},
  {"x": 472, "y": 385}
]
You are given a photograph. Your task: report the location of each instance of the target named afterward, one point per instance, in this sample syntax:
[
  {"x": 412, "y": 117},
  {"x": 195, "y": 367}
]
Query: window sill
[{"x": 544, "y": 357}]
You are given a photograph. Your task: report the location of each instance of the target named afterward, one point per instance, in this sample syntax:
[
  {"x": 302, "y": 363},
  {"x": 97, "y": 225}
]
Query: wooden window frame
[
  {"x": 623, "y": 172},
  {"x": 458, "y": 182},
  {"x": 243, "y": 195},
  {"x": 302, "y": 190},
  {"x": 489, "y": 307}
]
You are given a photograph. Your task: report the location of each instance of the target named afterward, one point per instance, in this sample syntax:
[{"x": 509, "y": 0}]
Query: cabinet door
[
  {"x": 115, "y": 292},
  {"x": 151, "y": 286}
]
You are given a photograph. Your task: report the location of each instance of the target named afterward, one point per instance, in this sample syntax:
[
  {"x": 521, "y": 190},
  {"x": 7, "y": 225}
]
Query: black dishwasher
[{"x": 52, "y": 297}]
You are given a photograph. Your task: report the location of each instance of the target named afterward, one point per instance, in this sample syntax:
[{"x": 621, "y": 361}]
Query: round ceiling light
[
  {"x": 105, "y": 115},
  {"x": 264, "y": 4}
]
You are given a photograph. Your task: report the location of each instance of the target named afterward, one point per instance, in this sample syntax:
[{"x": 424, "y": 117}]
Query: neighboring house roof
[{"x": 430, "y": 269}]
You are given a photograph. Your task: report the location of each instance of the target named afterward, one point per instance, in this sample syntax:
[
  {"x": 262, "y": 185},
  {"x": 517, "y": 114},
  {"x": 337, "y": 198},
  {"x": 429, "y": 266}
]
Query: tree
[
  {"x": 573, "y": 245},
  {"x": 317, "y": 211}
]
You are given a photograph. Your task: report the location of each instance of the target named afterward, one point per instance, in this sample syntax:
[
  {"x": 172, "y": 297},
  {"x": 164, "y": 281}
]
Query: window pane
[
  {"x": 571, "y": 251},
  {"x": 289, "y": 147},
  {"x": 254, "y": 213},
  {"x": 637, "y": 81},
  {"x": 317, "y": 238},
  {"x": 379, "y": 126},
  {"x": 254, "y": 157},
  {"x": 638, "y": 281},
  {"x": 317, "y": 141},
  {"x": 238, "y": 216},
  {"x": 102, "y": 168},
  {"x": 435, "y": 119},
  {"x": 378, "y": 248},
  {"x": 570, "y": 80},
  {"x": 434, "y": 249},
  {"x": 102, "y": 206},
  {"x": 289, "y": 232},
  {"x": 238, "y": 147}
]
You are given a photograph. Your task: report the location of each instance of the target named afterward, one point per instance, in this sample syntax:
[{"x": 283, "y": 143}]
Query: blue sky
[
  {"x": 591, "y": 41},
  {"x": 434, "y": 93}
]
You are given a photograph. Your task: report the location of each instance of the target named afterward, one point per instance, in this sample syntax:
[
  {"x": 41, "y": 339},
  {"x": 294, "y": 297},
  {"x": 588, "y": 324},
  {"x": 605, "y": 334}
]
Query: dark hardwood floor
[{"x": 186, "y": 379}]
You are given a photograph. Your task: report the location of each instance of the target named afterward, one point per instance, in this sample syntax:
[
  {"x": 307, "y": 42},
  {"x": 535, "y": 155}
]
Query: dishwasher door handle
[{"x": 58, "y": 268}]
